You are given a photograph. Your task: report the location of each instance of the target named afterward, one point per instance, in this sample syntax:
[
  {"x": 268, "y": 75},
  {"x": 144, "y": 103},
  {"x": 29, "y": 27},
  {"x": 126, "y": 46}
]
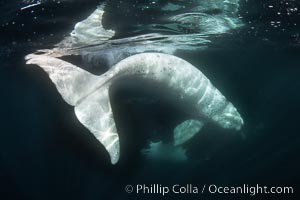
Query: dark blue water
[{"x": 45, "y": 153}]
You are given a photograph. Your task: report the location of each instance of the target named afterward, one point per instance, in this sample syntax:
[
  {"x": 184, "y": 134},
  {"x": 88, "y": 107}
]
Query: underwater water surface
[{"x": 46, "y": 153}]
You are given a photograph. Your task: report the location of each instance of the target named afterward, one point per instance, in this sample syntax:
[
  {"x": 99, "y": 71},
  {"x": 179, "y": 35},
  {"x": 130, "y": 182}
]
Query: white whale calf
[{"x": 89, "y": 94}]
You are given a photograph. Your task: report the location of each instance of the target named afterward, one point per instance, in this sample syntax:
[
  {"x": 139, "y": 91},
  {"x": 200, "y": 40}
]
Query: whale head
[{"x": 229, "y": 118}]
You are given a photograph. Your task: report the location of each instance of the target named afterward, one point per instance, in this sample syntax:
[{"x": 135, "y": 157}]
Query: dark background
[{"x": 45, "y": 153}]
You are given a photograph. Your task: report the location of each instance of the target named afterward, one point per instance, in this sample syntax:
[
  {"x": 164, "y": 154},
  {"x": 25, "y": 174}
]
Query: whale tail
[{"x": 79, "y": 88}]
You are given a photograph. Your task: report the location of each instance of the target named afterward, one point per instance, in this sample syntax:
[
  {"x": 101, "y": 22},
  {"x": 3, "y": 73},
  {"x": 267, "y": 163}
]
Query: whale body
[{"x": 89, "y": 94}]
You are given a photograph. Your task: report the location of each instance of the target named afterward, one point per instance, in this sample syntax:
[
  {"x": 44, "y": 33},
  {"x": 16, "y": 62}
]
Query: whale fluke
[
  {"x": 71, "y": 81},
  {"x": 96, "y": 114},
  {"x": 92, "y": 107}
]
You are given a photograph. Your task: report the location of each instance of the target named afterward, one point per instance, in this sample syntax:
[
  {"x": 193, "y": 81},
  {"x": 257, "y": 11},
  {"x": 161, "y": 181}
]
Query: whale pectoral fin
[
  {"x": 186, "y": 130},
  {"x": 95, "y": 113}
]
